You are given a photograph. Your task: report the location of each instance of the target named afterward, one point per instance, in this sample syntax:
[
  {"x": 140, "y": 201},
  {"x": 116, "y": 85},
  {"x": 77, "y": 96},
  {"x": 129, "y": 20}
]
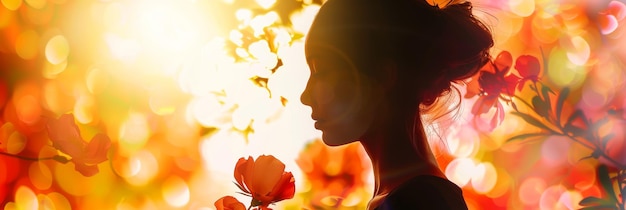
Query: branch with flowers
[
  {"x": 66, "y": 138},
  {"x": 263, "y": 179},
  {"x": 497, "y": 82}
]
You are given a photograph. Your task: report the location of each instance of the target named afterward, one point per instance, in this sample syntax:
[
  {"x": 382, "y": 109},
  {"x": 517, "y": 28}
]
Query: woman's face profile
[{"x": 336, "y": 94}]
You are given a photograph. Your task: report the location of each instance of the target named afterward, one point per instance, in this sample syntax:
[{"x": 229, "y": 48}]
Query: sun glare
[{"x": 184, "y": 88}]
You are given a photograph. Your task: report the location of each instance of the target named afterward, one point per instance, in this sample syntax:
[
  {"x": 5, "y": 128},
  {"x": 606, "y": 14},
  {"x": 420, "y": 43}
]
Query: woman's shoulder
[{"x": 425, "y": 192}]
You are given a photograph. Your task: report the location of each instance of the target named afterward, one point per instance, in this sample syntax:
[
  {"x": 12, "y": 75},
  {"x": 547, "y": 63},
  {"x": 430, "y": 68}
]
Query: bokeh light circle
[{"x": 57, "y": 49}]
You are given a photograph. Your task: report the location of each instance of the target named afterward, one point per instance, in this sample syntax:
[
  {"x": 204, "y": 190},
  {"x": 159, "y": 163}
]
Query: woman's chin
[{"x": 331, "y": 139}]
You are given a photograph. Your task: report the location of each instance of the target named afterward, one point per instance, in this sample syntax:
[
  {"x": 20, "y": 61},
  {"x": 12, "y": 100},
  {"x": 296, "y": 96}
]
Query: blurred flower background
[{"x": 176, "y": 91}]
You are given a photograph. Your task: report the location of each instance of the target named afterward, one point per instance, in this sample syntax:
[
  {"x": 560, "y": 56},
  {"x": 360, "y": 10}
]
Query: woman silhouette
[{"x": 376, "y": 65}]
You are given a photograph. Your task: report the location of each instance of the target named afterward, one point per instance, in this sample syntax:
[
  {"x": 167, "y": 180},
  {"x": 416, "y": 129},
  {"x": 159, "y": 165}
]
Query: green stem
[
  {"x": 26, "y": 158},
  {"x": 619, "y": 165},
  {"x": 571, "y": 137},
  {"x": 523, "y": 101}
]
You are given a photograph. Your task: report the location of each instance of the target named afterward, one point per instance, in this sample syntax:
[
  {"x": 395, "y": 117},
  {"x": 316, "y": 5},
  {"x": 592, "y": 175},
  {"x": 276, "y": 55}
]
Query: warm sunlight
[{"x": 162, "y": 99}]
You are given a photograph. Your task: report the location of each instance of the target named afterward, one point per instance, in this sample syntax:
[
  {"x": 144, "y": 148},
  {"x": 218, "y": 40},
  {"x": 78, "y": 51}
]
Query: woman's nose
[{"x": 305, "y": 97}]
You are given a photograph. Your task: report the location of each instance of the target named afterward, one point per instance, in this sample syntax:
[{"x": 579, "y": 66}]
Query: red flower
[
  {"x": 229, "y": 203},
  {"x": 66, "y": 137},
  {"x": 528, "y": 67},
  {"x": 265, "y": 180},
  {"x": 495, "y": 80}
]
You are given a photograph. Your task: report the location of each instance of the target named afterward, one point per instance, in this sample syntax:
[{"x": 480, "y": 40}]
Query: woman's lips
[{"x": 319, "y": 124}]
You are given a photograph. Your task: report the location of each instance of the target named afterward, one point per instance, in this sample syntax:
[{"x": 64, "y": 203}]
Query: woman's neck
[{"x": 395, "y": 159}]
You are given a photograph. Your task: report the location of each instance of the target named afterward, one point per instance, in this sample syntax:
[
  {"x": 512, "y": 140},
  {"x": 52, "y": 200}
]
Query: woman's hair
[{"x": 431, "y": 47}]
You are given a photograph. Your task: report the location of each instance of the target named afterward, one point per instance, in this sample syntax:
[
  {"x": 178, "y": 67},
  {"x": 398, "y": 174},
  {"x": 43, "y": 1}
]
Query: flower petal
[
  {"x": 243, "y": 170},
  {"x": 65, "y": 135},
  {"x": 85, "y": 170},
  {"x": 511, "y": 81},
  {"x": 483, "y": 104},
  {"x": 528, "y": 66},
  {"x": 229, "y": 203},
  {"x": 498, "y": 117},
  {"x": 503, "y": 62},
  {"x": 269, "y": 170},
  {"x": 285, "y": 188},
  {"x": 97, "y": 149}
]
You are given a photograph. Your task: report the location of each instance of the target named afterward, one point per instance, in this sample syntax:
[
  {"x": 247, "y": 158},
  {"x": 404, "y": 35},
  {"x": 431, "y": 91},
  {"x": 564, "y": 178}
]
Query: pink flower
[
  {"x": 65, "y": 136},
  {"x": 608, "y": 19}
]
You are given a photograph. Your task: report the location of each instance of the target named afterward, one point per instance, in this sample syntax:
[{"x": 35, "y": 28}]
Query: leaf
[
  {"x": 540, "y": 107},
  {"x": 525, "y": 136},
  {"x": 600, "y": 207},
  {"x": 545, "y": 91},
  {"x": 279, "y": 63},
  {"x": 605, "y": 180},
  {"x": 559, "y": 104},
  {"x": 606, "y": 139},
  {"x": 571, "y": 128},
  {"x": 61, "y": 159},
  {"x": 531, "y": 120},
  {"x": 596, "y": 126},
  {"x": 242, "y": 189},
  {"x": 260, "y": 81},
  {"x": 514, "y": 106},
  {"x": 594, "y": 201}
]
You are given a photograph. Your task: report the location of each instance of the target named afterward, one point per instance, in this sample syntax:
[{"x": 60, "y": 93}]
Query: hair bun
[{"x": 465, "y": 43}]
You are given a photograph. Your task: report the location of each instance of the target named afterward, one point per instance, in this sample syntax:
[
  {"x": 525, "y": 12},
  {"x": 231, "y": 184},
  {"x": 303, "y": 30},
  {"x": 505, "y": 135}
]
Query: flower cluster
[
  {"x": 265, "y": 180},
  {"x": 496, "y": 82}
]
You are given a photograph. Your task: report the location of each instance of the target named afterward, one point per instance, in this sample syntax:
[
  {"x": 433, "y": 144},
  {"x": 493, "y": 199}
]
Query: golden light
[
  {"x": 460, "y": 171},
  {"x": 266, "y": 4},
  {"x": 134, "y": 133},
  {"x": 40, "y": 175},
  {"x": 37, "y": 4},
  {"x": 464, "y": 143},
  {"x": 12, "y": 4},
  {"x": 484, "y": 178},
  {"x": 58, "y": 201},
  {"x": 183, "y": 89},
  {"x": 175, "y": 191},
  {"x": 26, "y": 199},
  {"x": 142, "y": 167},
  {"x": 522, "y": 8},
  {"x": 578, "y": 50},
  {"x": 57, "y": 49},
  {"x": 562, "y": 71},
  {"x": 15, "y": 143},
  {"x": 531, "y": 189},
  {"x": 302, "y": 19},
  {"x": 27, "y": 44}
]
